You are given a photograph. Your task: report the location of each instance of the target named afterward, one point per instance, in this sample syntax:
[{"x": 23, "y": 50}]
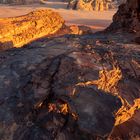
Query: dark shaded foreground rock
[
  {"x": 124, "y": 131},
  {"x": 95, "y": 111},
  {"x": 45, "y": 73},
  {"x": 127, "y": 18}
]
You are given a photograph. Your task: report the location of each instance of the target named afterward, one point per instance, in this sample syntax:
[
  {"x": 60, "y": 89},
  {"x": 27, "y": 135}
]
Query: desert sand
[{"x": 96, "y": 20}]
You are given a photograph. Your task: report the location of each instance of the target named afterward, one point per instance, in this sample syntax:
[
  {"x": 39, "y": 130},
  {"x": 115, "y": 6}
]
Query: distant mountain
[
  {"x": 87, "y": 5},
  {"x": 97, "y": 5},
  {"x": 18, "y": 1}
]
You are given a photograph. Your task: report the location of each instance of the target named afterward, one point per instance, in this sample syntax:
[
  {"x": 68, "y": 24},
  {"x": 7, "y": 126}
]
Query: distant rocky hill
[
  {"x": 18, "y": 1},
  {"x": 97, "y": 5}
]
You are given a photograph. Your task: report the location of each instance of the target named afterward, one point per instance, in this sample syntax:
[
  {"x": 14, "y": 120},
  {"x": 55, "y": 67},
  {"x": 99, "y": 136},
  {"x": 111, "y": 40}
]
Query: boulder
[{"x": 24, "y": 29}]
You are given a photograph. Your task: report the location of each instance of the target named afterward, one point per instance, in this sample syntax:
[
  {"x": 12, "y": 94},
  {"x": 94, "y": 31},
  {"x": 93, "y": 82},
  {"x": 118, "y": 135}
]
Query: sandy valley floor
[{"x": 96, "y": 20}]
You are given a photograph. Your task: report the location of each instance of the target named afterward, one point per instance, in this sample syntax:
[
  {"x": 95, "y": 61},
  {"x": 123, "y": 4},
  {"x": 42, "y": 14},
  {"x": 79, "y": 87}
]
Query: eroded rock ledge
[{"x": 18, "y": 31}]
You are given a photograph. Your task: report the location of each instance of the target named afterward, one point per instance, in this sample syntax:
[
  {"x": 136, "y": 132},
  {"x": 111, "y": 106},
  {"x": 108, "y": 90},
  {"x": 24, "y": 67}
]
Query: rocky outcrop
[
  {"x": 69, "y": 87},
  {"x": 116, "y": 3},
  {"x": 79, "y": 30},
  {"x": 97, "y": 5},
  {"x": 127, "y": 18},
  {"x": 18, "y": 31},
  {"x": 40, "y": 96}
]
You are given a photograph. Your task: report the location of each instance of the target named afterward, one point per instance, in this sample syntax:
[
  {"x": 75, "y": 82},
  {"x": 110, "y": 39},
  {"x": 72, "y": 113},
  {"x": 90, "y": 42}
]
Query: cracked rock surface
[
  {"x": 46, "y": 71},
  {"x": 18, "y": 31}
]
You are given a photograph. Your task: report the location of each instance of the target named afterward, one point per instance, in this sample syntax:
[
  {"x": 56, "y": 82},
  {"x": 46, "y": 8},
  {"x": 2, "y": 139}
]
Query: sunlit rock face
[
  {"x": 21, "y": 30},
  {"x": 97, "y": 5},
  {"x": 94, "y": 5},
  {"x": 89, "y": 5}
]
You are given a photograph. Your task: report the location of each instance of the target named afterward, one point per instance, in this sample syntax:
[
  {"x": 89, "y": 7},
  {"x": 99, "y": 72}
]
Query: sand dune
[{"x": 96, "y": 20}]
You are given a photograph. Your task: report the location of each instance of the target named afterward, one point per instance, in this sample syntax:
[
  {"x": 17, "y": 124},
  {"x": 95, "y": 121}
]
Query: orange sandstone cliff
[{"x": 24, "y": 29}]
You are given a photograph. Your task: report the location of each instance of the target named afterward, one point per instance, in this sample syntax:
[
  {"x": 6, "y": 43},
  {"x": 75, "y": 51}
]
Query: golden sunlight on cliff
[{"x": 24, "y": 29}]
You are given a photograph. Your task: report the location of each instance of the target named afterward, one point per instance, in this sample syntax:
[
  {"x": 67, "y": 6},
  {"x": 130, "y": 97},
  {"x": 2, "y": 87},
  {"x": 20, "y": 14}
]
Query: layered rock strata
[{"x": 21, "y": 30}]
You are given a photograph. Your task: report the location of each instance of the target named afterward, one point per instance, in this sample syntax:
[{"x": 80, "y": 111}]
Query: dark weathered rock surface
[
  {"x": 46, "y": 71},
  {"x": 18, "y": 1},
  {"x": 97, "y": 5},
  {"x": 127, "y": 18}
]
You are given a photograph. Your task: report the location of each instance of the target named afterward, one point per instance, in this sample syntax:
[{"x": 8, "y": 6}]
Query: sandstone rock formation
[
  {"x": 24, "y": 29},
  {"x": 18, "y": 31},
  {"x": 79, "y": 30},
  {"x": 127, "y": 18},
  {"x": 70, "y": 87},
  {"x": 88, "y": 5}
]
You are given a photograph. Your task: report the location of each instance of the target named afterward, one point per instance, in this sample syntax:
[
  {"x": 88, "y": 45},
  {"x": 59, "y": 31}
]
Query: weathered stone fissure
[{"x": 53, "y": 75}]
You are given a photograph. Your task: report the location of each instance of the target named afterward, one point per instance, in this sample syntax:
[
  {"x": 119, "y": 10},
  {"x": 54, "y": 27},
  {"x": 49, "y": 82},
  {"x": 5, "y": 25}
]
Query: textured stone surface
[
  {"x": 37, "y": 80},
  {"x": 97, "y": 5},
  {"x": 46, "y": 71},
  {"x": 127, "y": 17},
  {"x": 24, "y": 29}
]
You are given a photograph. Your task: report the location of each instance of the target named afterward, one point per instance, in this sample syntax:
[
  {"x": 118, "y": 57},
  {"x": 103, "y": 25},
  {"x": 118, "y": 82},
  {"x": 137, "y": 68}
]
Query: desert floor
[{"x": 96, "y": 20}]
